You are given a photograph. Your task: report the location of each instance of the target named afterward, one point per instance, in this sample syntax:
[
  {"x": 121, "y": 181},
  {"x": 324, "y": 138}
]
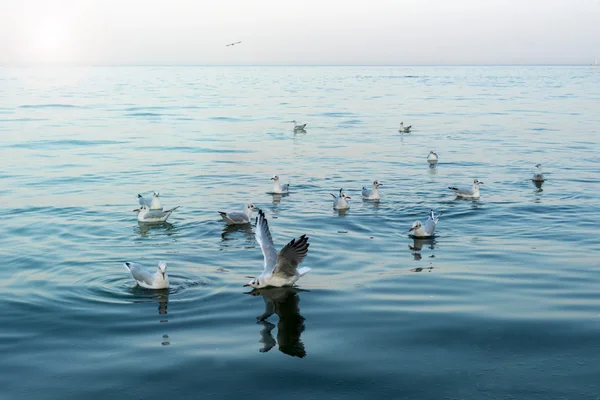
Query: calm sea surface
[{"x": 503, "y": 304}]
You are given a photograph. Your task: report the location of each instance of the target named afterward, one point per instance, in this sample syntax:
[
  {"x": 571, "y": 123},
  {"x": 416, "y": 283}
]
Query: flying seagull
[{"x": 233, "y": 44}]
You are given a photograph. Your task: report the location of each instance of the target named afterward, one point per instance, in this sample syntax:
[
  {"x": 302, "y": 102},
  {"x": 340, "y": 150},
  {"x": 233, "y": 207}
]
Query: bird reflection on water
[
  {"x": 417, "y": 246},
  {"x": 282, "y": 301},
  {"x": 145, "y": 229}
]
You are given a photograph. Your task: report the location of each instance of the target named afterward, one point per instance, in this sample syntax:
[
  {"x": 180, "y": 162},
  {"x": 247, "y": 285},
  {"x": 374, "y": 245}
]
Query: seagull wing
[
  {"x": 140, "y": 274},
  {"x": 264, "y": 239},
  {"x": 291, "y": 256}
]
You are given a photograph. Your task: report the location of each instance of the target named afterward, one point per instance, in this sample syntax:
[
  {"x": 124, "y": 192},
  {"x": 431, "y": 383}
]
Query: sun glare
[{"x": 50, "y": 42}]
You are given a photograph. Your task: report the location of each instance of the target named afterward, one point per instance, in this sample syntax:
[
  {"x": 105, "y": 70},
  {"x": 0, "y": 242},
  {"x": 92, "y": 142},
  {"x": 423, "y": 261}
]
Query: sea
[{"x": 502, "y": 303}]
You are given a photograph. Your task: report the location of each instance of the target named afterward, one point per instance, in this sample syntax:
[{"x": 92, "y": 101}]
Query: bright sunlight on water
[{"x": 503, "y": 303}]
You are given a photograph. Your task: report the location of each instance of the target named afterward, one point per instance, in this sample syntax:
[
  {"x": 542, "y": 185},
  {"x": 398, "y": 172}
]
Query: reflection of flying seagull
[{"x": 233, "y": 44}]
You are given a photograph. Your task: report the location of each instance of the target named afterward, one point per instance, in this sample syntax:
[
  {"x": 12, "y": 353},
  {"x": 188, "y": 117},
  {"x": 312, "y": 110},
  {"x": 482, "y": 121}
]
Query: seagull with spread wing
[
  {"x": 233, "y": 44},
  {"x": 280, "y": 269}
]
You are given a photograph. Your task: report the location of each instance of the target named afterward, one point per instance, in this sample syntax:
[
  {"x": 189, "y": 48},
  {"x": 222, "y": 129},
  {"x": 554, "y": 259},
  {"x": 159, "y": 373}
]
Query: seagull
[
  {"x": 233, "y": 44},
  {"x": 432, "y": 158},
  {"x": 403, "y": 129},
  {"x": 421, "y": 231},
  {"x": 147, "y": 279},
  {"x": 153, "y": 216},
  {"x": 277, "y": 187},
  {"x": 153, "y": 204},
  {"x": 468, "y": 193},
  {"x": 298, "y": 127},
  {"x": 339, "y": 202},
  {"x": 279, "y": 269},
  {"x": 371, "y": 194},
  {"x": 538, "y": 176},
  {"x": 282, "y": 301},
  {"x": 237, "y": 218}
]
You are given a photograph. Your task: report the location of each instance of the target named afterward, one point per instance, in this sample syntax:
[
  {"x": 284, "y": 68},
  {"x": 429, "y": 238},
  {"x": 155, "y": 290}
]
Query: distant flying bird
[{"x": 233, "y": 44}]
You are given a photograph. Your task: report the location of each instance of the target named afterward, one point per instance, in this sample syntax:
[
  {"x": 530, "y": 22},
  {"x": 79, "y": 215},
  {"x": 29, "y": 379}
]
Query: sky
[{"x": 284, "y": 32}]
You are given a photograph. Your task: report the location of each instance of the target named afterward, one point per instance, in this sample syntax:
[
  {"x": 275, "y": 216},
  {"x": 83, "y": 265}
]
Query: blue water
[{"x": 503, "y": 304}]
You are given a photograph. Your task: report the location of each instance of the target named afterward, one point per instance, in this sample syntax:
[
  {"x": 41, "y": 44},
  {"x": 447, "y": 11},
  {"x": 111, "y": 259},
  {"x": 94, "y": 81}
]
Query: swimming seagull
[
  {"x": 279, "y": 188},
  {"x": 298, "y": 127},
  {"x": 153, "y": 216},
  {"x": 538, "y": 176},
  {"x": 340, "y": 202},
  {"x": 279, "y": 269},
  {"x": 233, "y": 44},
  {"x": 468, "y": 193},
  {"x": 153, "y": 204},
  {"x": 432, "y": 158},
  {"x": 237, "y": 218},
  {"x": 147, "y": 279},
  {"x": 424, "y": 230},
  {"x": 403, "y": 129},
  {"x": 371, "y": 194}
]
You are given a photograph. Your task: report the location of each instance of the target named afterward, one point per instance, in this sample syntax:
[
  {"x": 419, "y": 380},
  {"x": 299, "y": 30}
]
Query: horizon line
[{"x": 34, "y": 65}]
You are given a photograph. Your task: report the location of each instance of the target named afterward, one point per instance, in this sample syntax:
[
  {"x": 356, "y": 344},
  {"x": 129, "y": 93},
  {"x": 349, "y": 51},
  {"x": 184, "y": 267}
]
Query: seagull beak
[
  {"x": 137, "y": 209},
  {"x": 411, "y": 229},
  {"x": 163, "y": 274},
  {"x": 245, "y": 285}
]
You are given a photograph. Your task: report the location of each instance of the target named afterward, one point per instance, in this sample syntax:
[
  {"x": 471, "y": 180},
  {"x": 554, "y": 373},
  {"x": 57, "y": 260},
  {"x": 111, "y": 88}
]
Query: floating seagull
[
  {"x": 147, "y": 279},
  {"x": 403, "y": 129},
  {"x": 153, "y": 216},
  {"x": 538, "y": 176},
  {"x": 468, "y": 193},
  {"x": 340, "y": 202},
  {"x": 298, "y": 127},
  {"x": 432, "y": 158},
  {"x": 279, "y": 269},
  {"x": 237, "y": 218},
  {"x": 371, "y": 194},
  {"x": 233, "y": 44},
  {"x": 153, "y": 204},
  {"x": 424, "y": 230},
  {"x": 277, "y": 187}
]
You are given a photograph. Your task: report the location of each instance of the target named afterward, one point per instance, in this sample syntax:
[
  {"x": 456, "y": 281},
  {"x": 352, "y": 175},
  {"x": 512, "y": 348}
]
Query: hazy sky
[{"x": 116, "y": 32}]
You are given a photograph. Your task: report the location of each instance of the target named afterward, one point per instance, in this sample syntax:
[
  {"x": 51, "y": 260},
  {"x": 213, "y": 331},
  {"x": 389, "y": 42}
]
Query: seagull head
[
  {"x": 415, "y": 225},
  {"x": 162, "y": 267},
  {"x": 251, "y": 207},
  {"x": 255, "y": 283},
  {"x": 143, "y": 209},
  {"x": 275, "y": 178},
  {"x": 538, "y": 166},
  {"x": 377, "y": 184},
  {"x": 477, "y": 182},
  {"x": 156, "y": 194}
]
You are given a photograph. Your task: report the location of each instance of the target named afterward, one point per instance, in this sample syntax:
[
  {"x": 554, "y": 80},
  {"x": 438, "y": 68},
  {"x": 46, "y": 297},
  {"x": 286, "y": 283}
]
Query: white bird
[
  {"x": 153, "y": 204},
  {"x": 468, "y": 193},
  {"x": 233, "y": 44},
  {"x": 404, "y": 129},
  {"x": 340, "y": 202},
  {"x": 279, "y": 269},
  {"x": 424, "y": 230},
  {"x": 371, "y": 194},
  {"x": 538, "y": 176},
  {"x": 147, "y": 279},
  {"x": 237, "y": 218},
  {"x": 279, "y": 188},
  {"x": 298, "y": 127},
  {"x": 432, "y": 158},
  {"x": 153, "y": 216}
]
